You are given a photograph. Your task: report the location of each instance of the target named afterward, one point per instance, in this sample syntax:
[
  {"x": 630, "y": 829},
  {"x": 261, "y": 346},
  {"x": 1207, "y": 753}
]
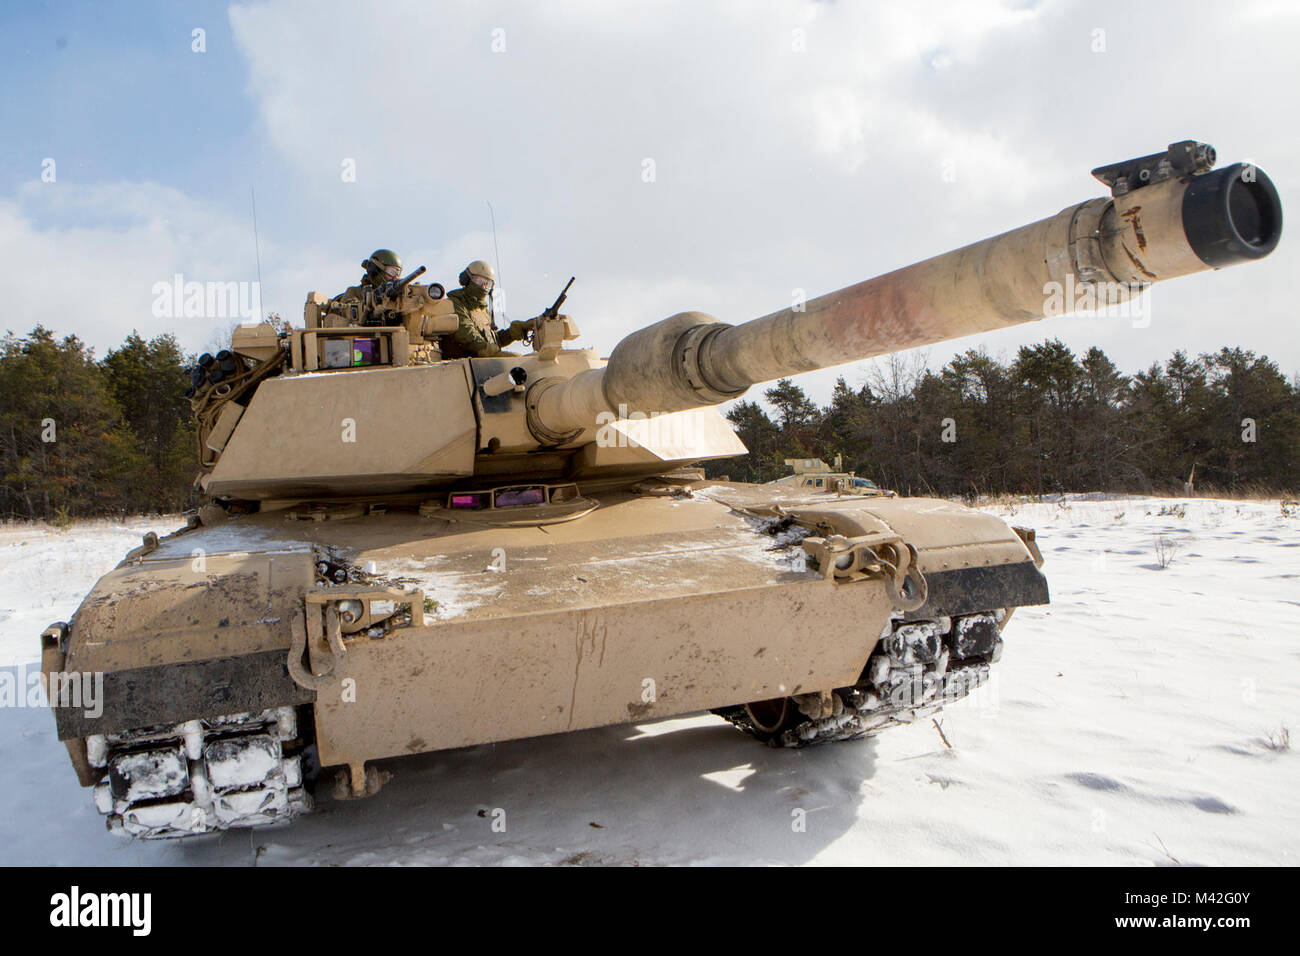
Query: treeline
[
  {"x": 81, "y": 436},
  {"x": 1047, "y": 421}
]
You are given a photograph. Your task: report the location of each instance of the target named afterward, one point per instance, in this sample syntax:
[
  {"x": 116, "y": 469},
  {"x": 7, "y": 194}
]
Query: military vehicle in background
[
  {"x": 814, "y": 476},
  {"x": 401, "y": 554}
]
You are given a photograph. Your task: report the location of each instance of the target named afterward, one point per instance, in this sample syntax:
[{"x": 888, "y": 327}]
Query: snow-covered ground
[
  {"x": 1135, "y": 720},
  {"x": 46, "y": 571}
]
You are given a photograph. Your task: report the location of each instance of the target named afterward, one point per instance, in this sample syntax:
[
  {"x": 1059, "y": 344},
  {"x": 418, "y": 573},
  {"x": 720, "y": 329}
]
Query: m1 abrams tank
[
  {"x": 814, "y": 476},
  {"x": 400, "y": 554}
]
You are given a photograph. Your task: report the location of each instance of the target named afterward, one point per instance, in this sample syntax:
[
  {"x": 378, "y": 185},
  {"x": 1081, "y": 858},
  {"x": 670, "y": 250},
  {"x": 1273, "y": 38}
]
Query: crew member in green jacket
[
  {"x": 477, "y": 335},
  {"x": 383, "y": 265}
]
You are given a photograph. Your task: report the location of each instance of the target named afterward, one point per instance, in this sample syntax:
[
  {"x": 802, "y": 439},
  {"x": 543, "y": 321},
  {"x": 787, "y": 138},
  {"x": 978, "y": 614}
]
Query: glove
[{"x": 520, "y": 330}]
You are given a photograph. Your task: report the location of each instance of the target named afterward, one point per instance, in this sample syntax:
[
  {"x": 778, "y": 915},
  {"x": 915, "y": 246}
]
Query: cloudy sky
[{"x": 793, "y": 145}]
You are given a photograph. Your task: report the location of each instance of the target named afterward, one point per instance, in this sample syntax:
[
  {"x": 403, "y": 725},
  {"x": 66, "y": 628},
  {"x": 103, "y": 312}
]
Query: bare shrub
[
  {"x": 1279, "y": 741},
  {"x": 1166, "y": 548}
]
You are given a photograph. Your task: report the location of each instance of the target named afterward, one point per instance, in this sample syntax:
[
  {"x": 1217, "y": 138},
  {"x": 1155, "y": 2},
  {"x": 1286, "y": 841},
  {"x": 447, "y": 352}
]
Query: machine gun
[
  {"x": 392, "y": 303},
  {"x": 549, "y": 330},
  {"x": 553, "y": 310},
  {"x": 391, "y": 292}
]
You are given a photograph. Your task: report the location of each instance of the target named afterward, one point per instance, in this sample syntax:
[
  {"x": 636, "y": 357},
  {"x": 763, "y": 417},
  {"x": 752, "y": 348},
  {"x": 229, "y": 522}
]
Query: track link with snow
[
  {"x": 201, "y": 776},
  {"x": 918, "y": 667}
]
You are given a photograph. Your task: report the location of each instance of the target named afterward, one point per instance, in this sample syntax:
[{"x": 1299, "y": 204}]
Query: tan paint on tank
[
  {"x": 459, "y": 684},
  {"x": 410, "y": 424},
  {"x": 164, "y": 611}
]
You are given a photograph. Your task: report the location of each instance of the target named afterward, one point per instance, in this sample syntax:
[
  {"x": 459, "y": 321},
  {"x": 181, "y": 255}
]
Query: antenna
[
  {"x": 257, "y": 250},
  {"x": 497, "y": 253},
  {"x": 495, "y": 248}
]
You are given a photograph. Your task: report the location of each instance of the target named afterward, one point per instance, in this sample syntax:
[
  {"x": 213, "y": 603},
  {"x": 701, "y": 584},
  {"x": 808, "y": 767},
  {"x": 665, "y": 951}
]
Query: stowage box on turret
[{"x": 401, "y": 554}]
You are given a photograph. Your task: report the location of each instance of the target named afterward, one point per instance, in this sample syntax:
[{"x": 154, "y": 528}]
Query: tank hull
[{"x": 652, "y": 605}]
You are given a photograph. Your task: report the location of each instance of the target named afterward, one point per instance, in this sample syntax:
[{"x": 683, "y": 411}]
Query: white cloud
[{"x": 776, "y": 169}]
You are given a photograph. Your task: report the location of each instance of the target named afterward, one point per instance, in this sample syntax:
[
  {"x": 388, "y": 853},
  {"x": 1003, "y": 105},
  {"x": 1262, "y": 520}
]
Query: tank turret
[{"x": 415, "y": 423}]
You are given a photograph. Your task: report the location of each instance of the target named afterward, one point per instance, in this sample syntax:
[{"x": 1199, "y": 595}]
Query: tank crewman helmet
[
  {"x": 479, "y": 273},
  {"x": 383, "y": 265}
]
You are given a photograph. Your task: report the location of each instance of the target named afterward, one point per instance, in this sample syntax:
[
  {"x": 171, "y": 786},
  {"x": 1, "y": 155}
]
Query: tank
[
  {"x": 814, "y": 476},
  {"x": 398, "y": 554}
]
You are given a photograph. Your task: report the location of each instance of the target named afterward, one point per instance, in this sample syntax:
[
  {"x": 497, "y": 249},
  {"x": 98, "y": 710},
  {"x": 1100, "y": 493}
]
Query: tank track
[
  {"x": 918, "y": 667},
  {"x": 201, "y": 776}
]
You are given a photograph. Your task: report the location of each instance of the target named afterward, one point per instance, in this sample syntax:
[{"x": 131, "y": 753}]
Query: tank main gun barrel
[{"x": 1169, "y": 215}]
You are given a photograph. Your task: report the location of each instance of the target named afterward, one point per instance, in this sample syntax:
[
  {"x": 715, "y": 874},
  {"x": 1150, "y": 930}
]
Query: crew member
[
  {"x": 477, "y": 336},
  {"x": 383, "y": 265}
]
